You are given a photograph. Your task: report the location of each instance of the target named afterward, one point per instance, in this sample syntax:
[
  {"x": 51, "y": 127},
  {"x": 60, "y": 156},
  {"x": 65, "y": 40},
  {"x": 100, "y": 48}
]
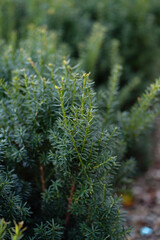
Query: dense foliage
[
  {"x": 52, "y": 140},
  {"x": 67, "y": 147}
]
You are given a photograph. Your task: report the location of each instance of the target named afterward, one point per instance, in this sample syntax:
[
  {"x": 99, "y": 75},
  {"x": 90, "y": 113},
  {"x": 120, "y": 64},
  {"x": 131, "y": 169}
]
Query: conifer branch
[
  {"x": 113, "y": 86},
  {"x": 80, "y": 159},
  {"x": 83, "y": 95},
  {"x": 69, "y": 203}
]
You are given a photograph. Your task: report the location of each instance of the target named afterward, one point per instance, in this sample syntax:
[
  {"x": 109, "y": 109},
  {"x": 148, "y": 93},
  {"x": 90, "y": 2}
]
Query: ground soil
[{"x": 145, "y": 208}]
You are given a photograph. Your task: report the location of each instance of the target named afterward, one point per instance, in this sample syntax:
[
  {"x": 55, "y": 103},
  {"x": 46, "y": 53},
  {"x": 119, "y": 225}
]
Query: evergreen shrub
[
  {"x": 63, "y": 148},
  {"x": 55, "y": 155}
]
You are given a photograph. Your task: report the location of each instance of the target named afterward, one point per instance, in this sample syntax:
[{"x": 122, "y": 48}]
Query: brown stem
[
  {"x": 42, "y": 178},
  {"x": 69, "y": 203}
]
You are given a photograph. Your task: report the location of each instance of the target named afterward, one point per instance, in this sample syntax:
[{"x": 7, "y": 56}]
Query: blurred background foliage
[{"x": 91, "y": 27}]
